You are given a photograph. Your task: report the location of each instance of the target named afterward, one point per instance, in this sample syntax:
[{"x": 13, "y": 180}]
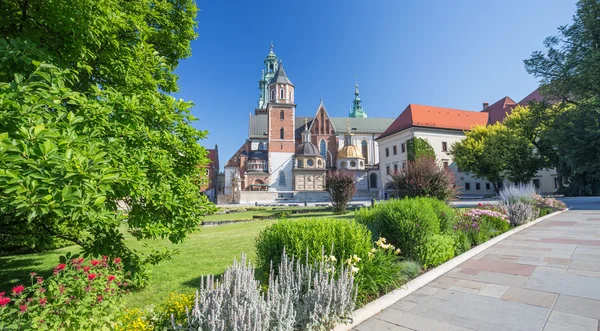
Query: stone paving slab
[{"x": 545, "y": 278}]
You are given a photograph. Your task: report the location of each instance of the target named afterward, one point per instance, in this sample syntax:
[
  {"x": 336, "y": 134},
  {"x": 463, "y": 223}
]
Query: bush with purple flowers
[{"x": 482, "y": 224}]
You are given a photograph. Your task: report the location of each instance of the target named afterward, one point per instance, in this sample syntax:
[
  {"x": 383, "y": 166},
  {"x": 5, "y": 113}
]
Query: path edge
[{"x": 376, "y": 306}]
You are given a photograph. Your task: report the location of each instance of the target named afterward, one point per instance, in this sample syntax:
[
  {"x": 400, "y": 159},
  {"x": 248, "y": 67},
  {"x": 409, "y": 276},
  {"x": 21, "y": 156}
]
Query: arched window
[
  {"x": 282, "y": 94},
  {"x": 271, "y": 67},
  {"x": 365, "y": 150},
  {"x": 282, "y": 115},
  {"x": 323, "y": 148},
  {"x": 281, "y": 133},
  {"x": 373, "y": 180},
  {"x": 282, "y": 178}
]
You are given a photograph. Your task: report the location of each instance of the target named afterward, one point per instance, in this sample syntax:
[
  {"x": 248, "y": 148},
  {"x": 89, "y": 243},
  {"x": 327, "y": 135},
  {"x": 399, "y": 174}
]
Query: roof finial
[
  {"x": 348, "y": 121},
  {"x": 321, "y": 102},
  {"x": 356, "y": 89},
  {"x": 306, "y": 124},
  {"x": 271, "y": 46}
]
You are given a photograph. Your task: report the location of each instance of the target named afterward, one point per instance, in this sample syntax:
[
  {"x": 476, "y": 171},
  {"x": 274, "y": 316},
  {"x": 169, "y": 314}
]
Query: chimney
[{"x": 485, "y": 105}]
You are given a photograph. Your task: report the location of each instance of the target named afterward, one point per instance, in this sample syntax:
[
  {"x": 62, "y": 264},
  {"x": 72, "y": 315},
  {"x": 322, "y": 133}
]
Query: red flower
[
  {"x": 60, "y": 267},
  {"x": 86, "y": 268},
  {"x": 95, "y": 262},
  {"x": 23, "y": 308},
  {"x": 18, "y": 289},
  {"x": 39, "y": 279},
  {"x": 91, "y": 276},
  {"x": 61, "y": 288},
  {"x": 111, "y": 278},
  {"x": 32, "y": 274},
  {"x": 100, "y": 298},
  {"x": 43, "y": 302},
  {"x": 4, "y": 301},
  {"x": 42, "y": 290},
  {"x": 117, "y": 260}
]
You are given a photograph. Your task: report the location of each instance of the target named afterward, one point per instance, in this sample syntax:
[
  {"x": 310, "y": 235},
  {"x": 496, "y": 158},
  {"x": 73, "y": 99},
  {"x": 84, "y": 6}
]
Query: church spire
[
  {"x": 357, "y": 109},
  {"x": 271, "y": 63}
]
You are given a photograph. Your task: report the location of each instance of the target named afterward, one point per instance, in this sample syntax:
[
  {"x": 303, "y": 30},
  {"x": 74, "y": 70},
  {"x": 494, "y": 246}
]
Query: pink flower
[
  {"x": 39, "y": 279},
  {"x": 60, "y": 267},
  {"x": 42, "y": 290},
  {"x": 32, "y": 274},
  {"x": 111, "y": 278},
  {"x": 4, "y": 300},
  {"x": 95, "y": 262},
  {"x": 91, "y": 276},
  {"x": 86, "y": 268},
  {"x": 100, "y": 298},
  {"x": 22, "y": 308},
  {"x": 18, "y": 289},
  {"x": 117, "y": 260},
  {"x": 43, "y": 302}
]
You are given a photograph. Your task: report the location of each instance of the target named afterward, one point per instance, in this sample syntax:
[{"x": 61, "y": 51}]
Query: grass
[
  {"x": 209, "y": 251},
  {"x": 247, "y": 215}
]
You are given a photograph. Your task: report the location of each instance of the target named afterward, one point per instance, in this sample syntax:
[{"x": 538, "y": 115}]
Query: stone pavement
[{"x": 546, "y": 277}]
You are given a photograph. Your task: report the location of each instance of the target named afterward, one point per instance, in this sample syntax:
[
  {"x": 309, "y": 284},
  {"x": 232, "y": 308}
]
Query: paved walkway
[{"x": 546, "y": 277}]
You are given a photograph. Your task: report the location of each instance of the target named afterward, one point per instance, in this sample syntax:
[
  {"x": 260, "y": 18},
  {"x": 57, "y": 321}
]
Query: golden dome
[{"x": 349, "y": 151}]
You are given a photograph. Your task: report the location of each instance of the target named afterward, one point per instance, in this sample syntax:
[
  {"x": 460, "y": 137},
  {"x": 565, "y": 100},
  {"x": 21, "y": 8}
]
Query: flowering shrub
[
  {"x": 488, "y": 206},
  {"x": 551, "y": 203},
  {"x": 480, "y": 225},
  {"x": 80, "y": 295},
  {"x": 518, "y": 201},
  {"x": 301, "y": 297},
  {"x": 135, "y": 320},
  {"x": 378, "y": 273}
]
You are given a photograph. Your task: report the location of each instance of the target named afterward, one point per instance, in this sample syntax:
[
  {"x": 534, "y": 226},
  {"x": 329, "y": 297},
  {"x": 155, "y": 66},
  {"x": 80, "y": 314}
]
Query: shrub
[
  {"x": 520, "y": 212},
  {"x": 406, "y": 223},
  {"x": 447, "y": 215},
  {"x": 80, "y": 295},
  {"x": 549, "y": 204},
  {"x": 479, "y": 225},
  {"x": 518, "y": 201},
  {"x": 378, "y": 273},
  {"x": 347, "y": 238},
  {"x": 135, "y": 320},
  {"x": 521, "y": 192},
  {"x": 462, "y": 242},
  {"x": 424, "y": 177},
  {"x": 438, "y": 248},
  {"x": 301, "y": 297},
  {"x": 340, "y": 186},
  {"x": 410, "y": 269}
]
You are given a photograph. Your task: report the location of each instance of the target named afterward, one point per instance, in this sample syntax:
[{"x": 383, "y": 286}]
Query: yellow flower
[
  {"x": 370, "y": 254},
  {"x": 332, "y": 258},
  {"x": 354, "y": 270},
  {"x": 373, "y": 250},
  {"x": 397, "y": 251}
]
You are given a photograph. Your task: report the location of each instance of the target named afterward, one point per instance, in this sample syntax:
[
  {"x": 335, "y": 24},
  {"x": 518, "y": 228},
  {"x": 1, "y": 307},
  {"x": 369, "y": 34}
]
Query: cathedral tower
[
  {"x": 357, "y": 109},
  {"x": 268, "y": 72},
  {"x": 282, "y": 143}
]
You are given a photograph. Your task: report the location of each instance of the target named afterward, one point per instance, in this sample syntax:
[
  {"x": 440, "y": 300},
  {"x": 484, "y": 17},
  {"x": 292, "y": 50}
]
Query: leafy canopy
[{"x": 89, "y": 136}]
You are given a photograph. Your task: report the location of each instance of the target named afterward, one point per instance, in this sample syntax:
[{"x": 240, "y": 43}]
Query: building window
[
  {"x": 261, "y": 146},
  {"x": 319, "y": 163},
  {"x": 282, "y": 115},
  {"x": 300, "y": 164},
  {"x": 395, "y": 168},
  {"x": 536, "y": 183},
  {"x": 310, "y": 162},
  {"x": 282, "y": 94},
  {"x": 555, "y": 182},
  {"x": 373, "y": 180},
  {"x": 395, "y": 150},
  {"x": 365, "y": 150},
  {"x": 387, "y": 152},
  {"x": 387, "y": 170},
  {"x": 343, "y": 164},
  {"x": 446, "y": 166},
  {"x": 444, "y": 146},
  {"x": 281, "y": 133},
  {"x": 361, "y": 164},
  {"x": 353, "y": 164},
  {"x": 403, "y": 147},
  {"x": 403, "y": 165},
  {"x": 487, "y": 186},
  {"x": 273, "y": 94},
  {"x": 467, "y": 186},
  {"x": 323, "y": 148},
  {"x": 477, "y": 186},
  {"x": 282, "y": 179}
]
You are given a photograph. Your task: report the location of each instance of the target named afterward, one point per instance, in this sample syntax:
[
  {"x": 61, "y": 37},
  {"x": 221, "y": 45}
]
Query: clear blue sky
[{"x": 454, "y": 54}]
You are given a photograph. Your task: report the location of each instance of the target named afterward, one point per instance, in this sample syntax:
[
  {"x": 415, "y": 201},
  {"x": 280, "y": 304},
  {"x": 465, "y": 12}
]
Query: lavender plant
[
  {"x": 302, "y": 296},
  {"x": 520, "y": 192},
  {"x": 518, "y": 201}
]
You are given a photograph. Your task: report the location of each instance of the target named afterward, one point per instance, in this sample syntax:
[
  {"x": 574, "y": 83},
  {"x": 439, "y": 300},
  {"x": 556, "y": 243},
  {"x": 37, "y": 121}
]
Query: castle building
[{"x": 287, "y": 156}]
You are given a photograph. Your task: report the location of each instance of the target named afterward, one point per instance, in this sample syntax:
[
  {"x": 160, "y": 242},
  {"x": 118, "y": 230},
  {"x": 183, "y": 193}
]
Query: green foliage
[
  {"x": 99, "y": 140},
  {"x": 446, "y": 214},
  {"x": 83, "y": 295},
  {"x": 570, "y": 78},
  {"x": 410, "y": 269},
  {"x": 424, "y": 178},
  {"x": 311, "y": 235},
  {"x": 462, "y": 242},
  {"x": 406, "y": 223},
  {"x": 340, "y": 186},
  {"x": 379, "y": 273},
  {"x": 437, "y": 249},
  {"x": 417, "y": 148}
]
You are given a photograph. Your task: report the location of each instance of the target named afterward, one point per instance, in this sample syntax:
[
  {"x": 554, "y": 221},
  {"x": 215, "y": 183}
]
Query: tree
[
  {"x": 424, "y": 178},
  {"x": 475, "y": 155},
  {"x": 569, "y": 72},
  {"x": 87, "y": 125},
  {"x": 418, "y": 147},
  {"x": 340, "y": 186}
]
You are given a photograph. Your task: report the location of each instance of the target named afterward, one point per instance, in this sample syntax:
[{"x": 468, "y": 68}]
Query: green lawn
[
  {"x": 247, "y": 215},
  {"x": 210, "y": 250}
]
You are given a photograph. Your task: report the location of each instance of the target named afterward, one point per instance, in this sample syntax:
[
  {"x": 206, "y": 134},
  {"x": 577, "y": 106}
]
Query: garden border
[{"x": 375, "y": 307}]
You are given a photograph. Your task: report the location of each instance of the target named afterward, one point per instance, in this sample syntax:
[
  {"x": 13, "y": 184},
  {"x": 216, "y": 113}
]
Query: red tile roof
[
  {"x": 436, "y": 117},
  {"x": 500, "y": 109}
]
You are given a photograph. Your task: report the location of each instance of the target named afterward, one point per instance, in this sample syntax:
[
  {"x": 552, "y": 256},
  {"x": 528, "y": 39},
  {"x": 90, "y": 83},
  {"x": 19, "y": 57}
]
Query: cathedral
[{"x": 286, "y": 156}]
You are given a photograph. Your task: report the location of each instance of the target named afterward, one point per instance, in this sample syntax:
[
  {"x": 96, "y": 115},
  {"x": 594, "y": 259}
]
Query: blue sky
[{"x": 454, "y": 54}]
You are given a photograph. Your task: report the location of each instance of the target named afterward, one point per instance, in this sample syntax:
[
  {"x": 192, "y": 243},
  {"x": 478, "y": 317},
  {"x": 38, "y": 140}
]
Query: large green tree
[
  {"x": 89, "y": 134},
  {"x": 569, "y": 72}
]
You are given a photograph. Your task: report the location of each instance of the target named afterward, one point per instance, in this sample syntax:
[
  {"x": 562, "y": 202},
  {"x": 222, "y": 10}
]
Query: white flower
[
  {"x": 354, "y": 270},
  {"x": 397, "y": 251},
  {"x": 373, "y": 250},
  {"x": 370, "y": 254},
  {"x": 356, "y": 258},
  {"x": 332, "y": 258}
]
